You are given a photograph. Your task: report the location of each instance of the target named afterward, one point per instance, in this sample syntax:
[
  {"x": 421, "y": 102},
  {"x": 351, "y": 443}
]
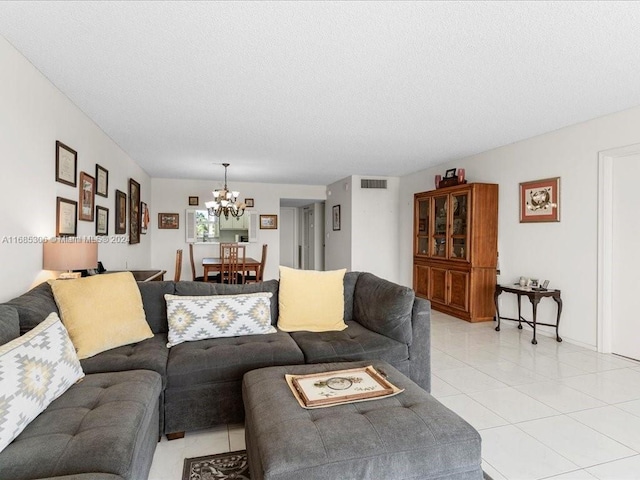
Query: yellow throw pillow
[
  {"x": 311, "y": 301},
  {"x": 101, "y": 312}
]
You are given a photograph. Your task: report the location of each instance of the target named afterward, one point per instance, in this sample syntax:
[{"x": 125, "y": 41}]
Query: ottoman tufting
[{"x": 407, "y": 436}]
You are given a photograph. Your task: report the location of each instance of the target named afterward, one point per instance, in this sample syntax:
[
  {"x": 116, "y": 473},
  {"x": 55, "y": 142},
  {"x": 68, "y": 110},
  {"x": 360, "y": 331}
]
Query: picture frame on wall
[
  {"x": 540, "y": 200},
  {"x": 102, "y": 181},
  {"x": 66, "y": 164},
  {"x": 248, "y": 202},
  {"x": 121, "y": 213},
  {"x": 194, "y": 201},
  {"x": 66, "y": 217},
  {"x": 87, "y": 197},
  {"x": 268, "y": 222},
  {"x": 134, "y": 212},
  {"x": 144, "y": 218},
  {"x": 102, "y": 220},
  {"x": 168, "y": 221},
  {"x": 335, "y": 215}
]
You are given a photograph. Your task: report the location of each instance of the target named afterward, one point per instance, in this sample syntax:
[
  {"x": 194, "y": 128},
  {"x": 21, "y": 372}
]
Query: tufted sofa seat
[{"x": 106, "y": 423}]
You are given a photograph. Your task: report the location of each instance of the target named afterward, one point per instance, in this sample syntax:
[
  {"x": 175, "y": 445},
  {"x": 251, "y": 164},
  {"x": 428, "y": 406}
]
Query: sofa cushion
[
  {"x": 223, "y": 359},
  {"x": 107, "y": 423},
  {"x": 209, "y": 288},
  {"x": 311, "y": 301},
  {"x": 35, "y": 369},
  {"x": 34, "y": 306},
  {"x": 384, "y": 307},
  {"x": 9, "y": 324},
  {"x": 155, "y": 308},
  {"x": 149, "y": 354},
  {"x": 101, "y": 312},
  {"x": 354, "y": 343},
  {"x": 193, "y": 318},
  {"x": 350, "y": 279}
]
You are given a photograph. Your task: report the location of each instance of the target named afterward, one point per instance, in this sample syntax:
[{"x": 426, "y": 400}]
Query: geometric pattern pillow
[
  {"x": 197, "y": 317},
  {"x": 35, "y": 369}
]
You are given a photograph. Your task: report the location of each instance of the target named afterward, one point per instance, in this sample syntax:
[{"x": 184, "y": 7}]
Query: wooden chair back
[
  {"x": 178, "y": 271},
  {"x": 194, "y": 277},
  {"x": 263, "y": 261},
  {"x": 232, "y": 269}
]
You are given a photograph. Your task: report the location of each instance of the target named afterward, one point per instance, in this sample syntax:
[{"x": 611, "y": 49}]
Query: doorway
[
  {"x": 618, "y": 254},
  {"x": 302, "y": 234}
]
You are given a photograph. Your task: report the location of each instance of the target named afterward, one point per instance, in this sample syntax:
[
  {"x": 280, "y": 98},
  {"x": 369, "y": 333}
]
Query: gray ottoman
[{"x": 408, "y": 436}]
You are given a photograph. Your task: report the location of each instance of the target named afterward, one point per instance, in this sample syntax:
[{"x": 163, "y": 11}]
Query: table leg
[
  {"x": 519, "y": 312},
  {"x": 205, "y": 276},
  {"x": 558, "y": 300},
  {"x": 496, "y": 294},
  {"x": 534, "y": 305}
]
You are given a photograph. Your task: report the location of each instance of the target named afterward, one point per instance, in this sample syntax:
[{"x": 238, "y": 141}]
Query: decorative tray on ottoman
[{"x": 326, "y": 389}]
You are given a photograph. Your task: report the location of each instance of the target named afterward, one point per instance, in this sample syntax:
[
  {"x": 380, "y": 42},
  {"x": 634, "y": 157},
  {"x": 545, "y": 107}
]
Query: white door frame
[{"x": 605, "y": 241}]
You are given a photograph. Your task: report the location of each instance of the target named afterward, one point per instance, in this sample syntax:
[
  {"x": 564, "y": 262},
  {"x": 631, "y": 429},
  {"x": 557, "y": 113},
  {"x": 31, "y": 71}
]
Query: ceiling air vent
[{"x": 372, "y": 183}]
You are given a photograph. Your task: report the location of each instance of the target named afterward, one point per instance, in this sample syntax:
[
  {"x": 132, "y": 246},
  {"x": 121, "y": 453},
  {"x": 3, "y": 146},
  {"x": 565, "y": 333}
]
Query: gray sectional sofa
[{"x": 133, "y": 394}]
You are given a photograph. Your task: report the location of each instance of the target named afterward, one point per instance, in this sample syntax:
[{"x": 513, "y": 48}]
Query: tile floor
[{"x": 546, "y": 411}]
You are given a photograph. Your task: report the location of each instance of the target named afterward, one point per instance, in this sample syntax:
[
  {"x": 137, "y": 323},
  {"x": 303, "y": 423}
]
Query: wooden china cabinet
[{"x": 455, "y": 249}]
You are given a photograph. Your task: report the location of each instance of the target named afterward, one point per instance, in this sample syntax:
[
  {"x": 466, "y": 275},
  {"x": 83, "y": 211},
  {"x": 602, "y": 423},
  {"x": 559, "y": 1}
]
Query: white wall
[
  {"x": 375, "y": 232},
  {"x": 172, "y": 196},
  {"x": 564, "y": 252},
  {"x": 34, "y": 114},
  {"x": 337, "y": 248}
]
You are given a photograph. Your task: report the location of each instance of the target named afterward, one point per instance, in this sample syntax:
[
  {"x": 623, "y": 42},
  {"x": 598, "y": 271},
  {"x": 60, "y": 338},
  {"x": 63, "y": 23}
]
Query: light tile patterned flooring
[{"x": 546, "y": 411}]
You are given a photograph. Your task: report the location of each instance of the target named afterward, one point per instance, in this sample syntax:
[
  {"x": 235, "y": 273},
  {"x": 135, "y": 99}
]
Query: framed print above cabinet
[{"x": 540, "y": 200}]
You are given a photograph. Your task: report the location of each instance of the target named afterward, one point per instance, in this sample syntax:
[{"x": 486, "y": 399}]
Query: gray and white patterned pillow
[
  {"x": 35, "y": 369},
  {"x": 199, "y": 317}
]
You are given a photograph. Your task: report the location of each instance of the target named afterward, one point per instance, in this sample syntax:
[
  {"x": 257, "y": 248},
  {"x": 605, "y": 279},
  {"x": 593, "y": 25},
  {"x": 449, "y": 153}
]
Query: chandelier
[{"x": 225, "y": 202}]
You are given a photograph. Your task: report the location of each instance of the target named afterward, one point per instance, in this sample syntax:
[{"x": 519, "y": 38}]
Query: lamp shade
[{"x": 69, "y": 255}]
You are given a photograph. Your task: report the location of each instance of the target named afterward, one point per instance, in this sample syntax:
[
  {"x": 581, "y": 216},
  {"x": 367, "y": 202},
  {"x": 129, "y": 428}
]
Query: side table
[{"x": 534, "y": 296}]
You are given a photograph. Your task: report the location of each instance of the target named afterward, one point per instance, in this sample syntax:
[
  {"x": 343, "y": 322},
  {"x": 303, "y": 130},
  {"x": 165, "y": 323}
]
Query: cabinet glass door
[
  {"x": 439, "y": 244},
  {"x": 459, "y": 247},
  {"x": 422, "y": 233}
]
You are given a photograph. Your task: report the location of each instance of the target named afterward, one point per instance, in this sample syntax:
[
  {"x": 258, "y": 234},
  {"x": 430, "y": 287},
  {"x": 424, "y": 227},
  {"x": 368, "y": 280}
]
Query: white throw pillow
[
  {"x": 35, "y": 369},
  {"x": 198, "y": 317}
]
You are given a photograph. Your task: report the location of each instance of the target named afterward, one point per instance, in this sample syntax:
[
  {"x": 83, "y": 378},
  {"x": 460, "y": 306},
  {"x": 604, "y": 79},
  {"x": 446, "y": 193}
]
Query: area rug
[{"x": 224, "y": 466}]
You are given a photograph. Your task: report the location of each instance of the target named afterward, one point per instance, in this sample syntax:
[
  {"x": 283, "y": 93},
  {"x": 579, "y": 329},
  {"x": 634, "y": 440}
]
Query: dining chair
[
  {"x": 232, "y": 269},
  {"x": 193, "y": 266},
  {"x": 260, "y": 272},
  {"x": 224, "y": 245},
  {"x": 178, "y": 271}
]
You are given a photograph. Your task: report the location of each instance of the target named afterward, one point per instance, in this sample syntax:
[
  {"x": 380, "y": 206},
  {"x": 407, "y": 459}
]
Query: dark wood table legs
[{"x": 534, "y": 297}]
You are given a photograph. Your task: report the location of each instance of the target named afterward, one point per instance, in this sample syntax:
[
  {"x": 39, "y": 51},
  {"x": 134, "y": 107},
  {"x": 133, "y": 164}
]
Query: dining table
[{"x": 214, "y": 265}]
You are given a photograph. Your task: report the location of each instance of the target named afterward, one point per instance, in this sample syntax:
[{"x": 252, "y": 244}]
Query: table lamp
[{"x": 69, "y": 255}]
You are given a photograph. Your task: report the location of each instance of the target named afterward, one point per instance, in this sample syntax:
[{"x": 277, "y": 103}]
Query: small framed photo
[
  {"x": 102, "y": 221},
  {"x": 102, "y": 181},
  {"x": 450, "y": 173},
  {"x": 268, "y": 222},
  {"x": 87, "y": 197},
  {"x": 134, "y": 212},
  {"x": 144, "y": 218},
  {"x": 248, "y": 202},
  {"x": 540, "y": 200},
  {"x": 66, "y": 217},
  {"x": 194, "y": 201},
  {"x": 335, "y": 215},
  {"x": 66, "y": 164},
  {"x": 121, "y": 212},
  {"x": 168, "y": 221}
]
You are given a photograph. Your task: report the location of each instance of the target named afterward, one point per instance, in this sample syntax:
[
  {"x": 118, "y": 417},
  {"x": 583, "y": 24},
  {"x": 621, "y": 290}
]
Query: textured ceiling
[{"x": 311, "y": 92}]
